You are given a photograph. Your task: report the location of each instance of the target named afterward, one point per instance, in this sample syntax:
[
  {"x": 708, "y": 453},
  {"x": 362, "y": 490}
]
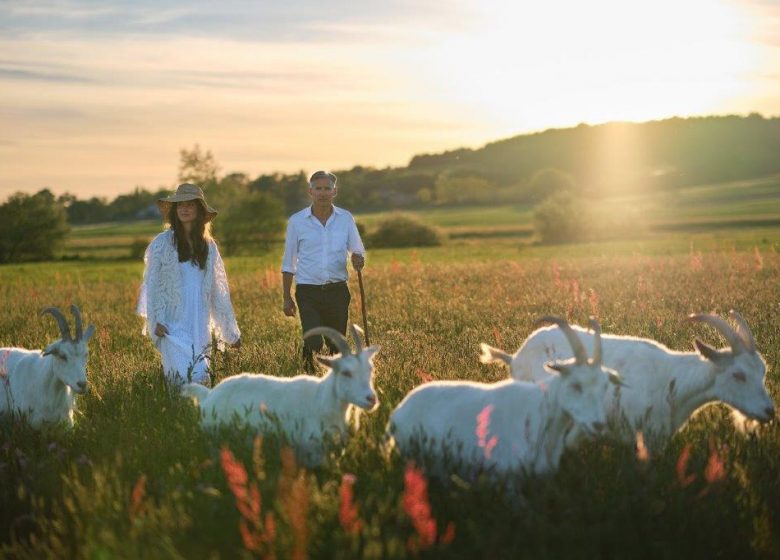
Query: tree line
[{"x": 526, "y": 169}]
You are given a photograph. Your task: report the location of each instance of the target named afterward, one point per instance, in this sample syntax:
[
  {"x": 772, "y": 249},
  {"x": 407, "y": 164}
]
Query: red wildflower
[
  {"x": 556, "y": 275},
  {"x": 449, "y": 534},
  {"x": 417, "y": 507},
  {"x": 716, "y": 468},
  {"x": 642, "y": 455},
  {"x": 759, "y": 258},
  {"x": 593, "y": 298},
  {"x": 255, "y": 535},
  {"x": 682, "y": 467},
  {"x": 348, "y": 511},
  {"x": 137, "y": 498},
  {"x": 298, "y": 513}
]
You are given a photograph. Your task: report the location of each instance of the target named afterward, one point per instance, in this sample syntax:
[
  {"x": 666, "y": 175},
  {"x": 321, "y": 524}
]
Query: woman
[{"x": 185, "y": 289}]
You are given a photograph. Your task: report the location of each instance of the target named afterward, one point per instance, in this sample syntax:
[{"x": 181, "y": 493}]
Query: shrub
[
  {"x": 401, "y": 230},
  {"x": 560, "y": 218},
  {"x": 250, "y": 224},
  {"x": 563, "y": 217},
  {"x": 138, "y": 248},
  {"x": 32, "y": 228}
]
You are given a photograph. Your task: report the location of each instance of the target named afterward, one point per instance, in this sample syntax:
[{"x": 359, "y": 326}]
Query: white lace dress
[
  {"x": 186, "y": 349},
  {"x": 190, "y": 302}
]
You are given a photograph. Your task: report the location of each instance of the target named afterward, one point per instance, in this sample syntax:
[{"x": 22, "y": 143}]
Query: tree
[
  {"x": 250, "y": 221},
  {"x": 31, "y": 227},
  {"x": 197, "y": 166},
  {"x": 546, "y": 182}
]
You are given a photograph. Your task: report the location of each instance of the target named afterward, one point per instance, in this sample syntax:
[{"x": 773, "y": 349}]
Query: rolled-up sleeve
[
  {"x": 354, "y": 243},
  {"x": 289, "y": 261}
]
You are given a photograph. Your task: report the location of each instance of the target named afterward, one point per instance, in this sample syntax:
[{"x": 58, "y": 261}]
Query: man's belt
[{"x": 323, "y": 287}]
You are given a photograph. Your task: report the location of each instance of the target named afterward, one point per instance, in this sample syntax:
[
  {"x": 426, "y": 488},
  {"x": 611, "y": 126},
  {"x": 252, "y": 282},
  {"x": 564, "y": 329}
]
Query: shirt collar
[{"x": 308, "y": 213}]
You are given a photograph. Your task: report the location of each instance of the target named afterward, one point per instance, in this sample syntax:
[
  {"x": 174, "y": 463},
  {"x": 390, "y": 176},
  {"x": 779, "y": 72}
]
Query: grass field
[{"x": 137, "y": 478}]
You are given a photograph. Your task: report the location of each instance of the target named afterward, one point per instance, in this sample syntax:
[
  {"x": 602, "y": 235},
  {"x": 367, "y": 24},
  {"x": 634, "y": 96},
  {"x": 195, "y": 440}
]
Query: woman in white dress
[{"x": 185, "y": 294}]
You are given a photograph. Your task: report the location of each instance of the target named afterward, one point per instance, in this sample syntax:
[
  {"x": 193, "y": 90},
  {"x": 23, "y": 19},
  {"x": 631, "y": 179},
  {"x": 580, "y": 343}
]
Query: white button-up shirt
[{"x": 317, "y": 254}]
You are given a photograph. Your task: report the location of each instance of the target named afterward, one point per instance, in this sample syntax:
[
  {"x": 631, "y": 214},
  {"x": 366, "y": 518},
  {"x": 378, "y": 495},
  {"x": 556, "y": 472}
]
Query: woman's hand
[{"x": 160, "y": 330}]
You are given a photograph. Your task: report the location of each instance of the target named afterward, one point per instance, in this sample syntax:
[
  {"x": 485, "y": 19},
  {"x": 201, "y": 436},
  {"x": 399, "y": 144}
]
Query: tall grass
[{"x": 137, "y": 477}]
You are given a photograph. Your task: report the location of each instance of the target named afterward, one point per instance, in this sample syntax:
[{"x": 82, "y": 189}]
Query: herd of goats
[{"x": 555, "y": 398}]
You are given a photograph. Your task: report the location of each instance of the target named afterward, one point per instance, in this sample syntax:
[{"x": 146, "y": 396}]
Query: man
[{"x": 315, "y": 253}]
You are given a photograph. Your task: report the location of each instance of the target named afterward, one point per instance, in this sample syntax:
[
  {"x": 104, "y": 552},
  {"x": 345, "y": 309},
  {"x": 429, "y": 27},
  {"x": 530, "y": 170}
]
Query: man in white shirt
[{"x": 315, "y": 253}]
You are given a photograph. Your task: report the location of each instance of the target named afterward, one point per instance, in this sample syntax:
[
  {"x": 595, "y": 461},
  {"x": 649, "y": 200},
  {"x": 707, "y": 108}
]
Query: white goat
[
  {"x": 308, "y": 410},
  {"x": 506, "y": 426},
  {"x": 39, "y": 384},
  {"x": 663, "y": 388}
]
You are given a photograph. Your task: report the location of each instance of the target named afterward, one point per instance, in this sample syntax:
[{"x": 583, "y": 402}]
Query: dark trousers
[{"x": 326, "y": 306}]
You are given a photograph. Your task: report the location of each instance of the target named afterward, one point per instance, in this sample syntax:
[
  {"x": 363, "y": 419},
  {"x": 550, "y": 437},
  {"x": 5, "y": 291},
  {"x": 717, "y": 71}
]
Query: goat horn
[
  {"x": 743, "y": 330},
  {"x": 335, "y": 337},
  {"x": 61, "y": 321},
  {"x": 357, "y": 333},
  {"x": 77, "y": 316},
  {"x": 580, "y": 355},
  {"x": 597, "y": 353},
  {"x": 734, "y": 340}
]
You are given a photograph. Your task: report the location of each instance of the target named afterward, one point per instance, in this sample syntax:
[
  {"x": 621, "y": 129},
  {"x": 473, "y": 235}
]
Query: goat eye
[
  {"x": 346, "y": 373},
  {"x": 577, "y": 387},
  {"x": 739, "y": 376}
]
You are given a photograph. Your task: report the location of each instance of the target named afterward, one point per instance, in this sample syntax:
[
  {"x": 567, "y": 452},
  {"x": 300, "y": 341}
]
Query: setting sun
[{"x": 560, "y": 62}]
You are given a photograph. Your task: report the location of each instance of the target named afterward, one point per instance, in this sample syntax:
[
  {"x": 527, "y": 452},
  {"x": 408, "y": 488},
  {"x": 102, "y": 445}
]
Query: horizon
[{"x": 86, "y": 87}]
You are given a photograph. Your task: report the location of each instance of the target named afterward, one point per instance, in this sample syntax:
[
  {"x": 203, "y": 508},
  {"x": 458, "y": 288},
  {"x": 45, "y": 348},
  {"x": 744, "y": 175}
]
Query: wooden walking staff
[{"x": 363, "y": 306}]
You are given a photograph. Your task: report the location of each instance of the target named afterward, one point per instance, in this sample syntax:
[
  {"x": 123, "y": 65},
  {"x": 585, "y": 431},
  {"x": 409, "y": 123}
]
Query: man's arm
[
  {"x": 289, "y": 305},
  {"x": 288, "y": 269}
]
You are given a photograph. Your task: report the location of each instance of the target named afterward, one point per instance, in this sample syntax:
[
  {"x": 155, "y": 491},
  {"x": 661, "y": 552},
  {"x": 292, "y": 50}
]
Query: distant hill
[
  {"x": 608, "y": 158},
  {"x": 673, "y": 151}
]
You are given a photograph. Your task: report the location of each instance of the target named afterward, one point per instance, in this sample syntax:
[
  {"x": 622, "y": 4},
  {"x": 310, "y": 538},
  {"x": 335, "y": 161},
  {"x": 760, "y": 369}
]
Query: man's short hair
[{"x": 321, "y": 174}]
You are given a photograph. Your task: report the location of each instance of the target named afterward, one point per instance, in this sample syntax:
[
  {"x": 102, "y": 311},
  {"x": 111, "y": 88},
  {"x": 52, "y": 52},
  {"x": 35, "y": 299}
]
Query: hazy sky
[{"x": 98, "y": 97}]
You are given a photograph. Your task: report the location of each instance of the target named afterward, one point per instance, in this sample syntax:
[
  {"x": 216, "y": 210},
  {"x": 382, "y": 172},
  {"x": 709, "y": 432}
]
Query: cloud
[
  {"x": 34, "y": 75},
  {"x": 263, "y": 21}
]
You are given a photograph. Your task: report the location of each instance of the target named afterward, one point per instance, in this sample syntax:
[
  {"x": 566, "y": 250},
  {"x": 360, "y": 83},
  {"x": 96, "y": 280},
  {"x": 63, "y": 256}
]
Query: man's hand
[
  {"x": 160, "y": 330},
  {"x": 236, "y": 344},
  {"x": 289, "y": 306},
  {"x": 358, "y": 261}
]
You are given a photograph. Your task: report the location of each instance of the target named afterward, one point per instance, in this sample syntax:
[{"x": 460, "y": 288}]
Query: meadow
[
  {"x": 751, "y": 204},
  {"x": 137, "y": 477}
]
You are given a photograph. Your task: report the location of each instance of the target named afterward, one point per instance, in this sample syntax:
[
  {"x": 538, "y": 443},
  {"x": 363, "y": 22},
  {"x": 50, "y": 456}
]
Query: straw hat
[{"x": 184, "y": 192}]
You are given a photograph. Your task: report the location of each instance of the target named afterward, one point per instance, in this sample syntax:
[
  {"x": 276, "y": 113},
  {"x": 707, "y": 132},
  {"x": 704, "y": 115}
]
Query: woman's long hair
[{"x": 199, "y": 236}]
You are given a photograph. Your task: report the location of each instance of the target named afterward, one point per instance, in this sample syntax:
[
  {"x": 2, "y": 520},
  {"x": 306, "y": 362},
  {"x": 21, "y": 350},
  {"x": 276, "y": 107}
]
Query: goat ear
[
  {"x": 563, "y": 369},
  {"x": 88, "y": 333},
  {"x": 324, "y": 360},
  {"x": 51, "y": 349},
  {"x": 707, "y": 351},
  {"x": 490, "y": 355},
  {"x": 371, "y": 350}
]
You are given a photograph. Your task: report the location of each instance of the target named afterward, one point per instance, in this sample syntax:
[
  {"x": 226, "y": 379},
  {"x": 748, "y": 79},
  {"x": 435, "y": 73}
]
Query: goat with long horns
[{"x": 41, "y": 385}]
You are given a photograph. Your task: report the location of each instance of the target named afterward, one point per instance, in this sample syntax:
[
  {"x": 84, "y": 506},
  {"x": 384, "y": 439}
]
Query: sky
[{"x": 98, "y": 97}]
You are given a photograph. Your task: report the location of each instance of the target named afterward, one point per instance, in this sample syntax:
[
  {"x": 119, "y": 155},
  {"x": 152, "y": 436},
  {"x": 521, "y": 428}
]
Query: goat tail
[
  {"x": 490, "y": 355},
  {"x": 195, "y": 391}
]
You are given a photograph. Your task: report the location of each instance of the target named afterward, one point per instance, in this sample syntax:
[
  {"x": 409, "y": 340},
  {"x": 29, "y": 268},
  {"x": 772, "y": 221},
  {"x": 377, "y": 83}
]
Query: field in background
[
  {"x": 138, "y": 478},
  {"x": 744, "y": 204}
]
